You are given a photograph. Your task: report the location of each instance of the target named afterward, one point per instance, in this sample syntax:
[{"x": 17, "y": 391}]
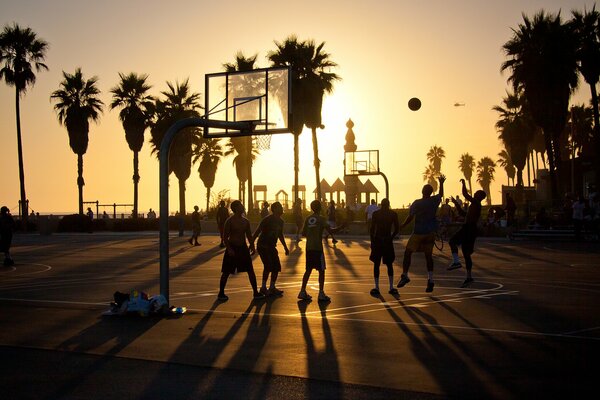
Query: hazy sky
[{"x": 388, "y": 51}]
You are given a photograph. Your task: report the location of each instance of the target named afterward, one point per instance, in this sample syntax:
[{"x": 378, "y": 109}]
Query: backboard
[
  {"x": 261, "y": 96},
  {"x": 363, "y": 162}
]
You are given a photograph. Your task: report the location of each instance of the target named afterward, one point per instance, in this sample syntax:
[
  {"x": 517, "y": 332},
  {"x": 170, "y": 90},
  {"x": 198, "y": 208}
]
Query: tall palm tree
[
  {"x": 291, "y": 53},
  {"x": 317, "y": 82},
  {"x": 77, "y": 103},
  {"x": 238, "y": 147},
  {"x": 244, "y": 144},
  {"x": 516, "y": 130},
  {"x": 505, "y": 162},
  {"x": 466, "y": 164},
  {"x": 21, "y": 53},
  {"x": 430, "y": 176},
  {"x": 486, "y": 167},
  {"x": 587, "y": 28},
  {"x": 179, "y": 102},
  {"x": 542, "y": 61},
  {"x": 209, "y": 153},
  {"x": 435, "y": 156},
  {"x": 131, "y": 94},
  {"x": 311, "y": 80}
]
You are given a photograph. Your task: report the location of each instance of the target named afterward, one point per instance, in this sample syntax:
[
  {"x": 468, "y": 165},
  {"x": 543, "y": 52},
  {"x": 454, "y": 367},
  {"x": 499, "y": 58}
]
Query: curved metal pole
[
  {"x": 387, "y": 185},
  {"x": 165, "y": 148}
]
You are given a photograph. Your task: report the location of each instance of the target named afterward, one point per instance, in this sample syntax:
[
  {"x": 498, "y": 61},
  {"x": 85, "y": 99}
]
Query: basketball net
[{"x": 263, "y": 142}]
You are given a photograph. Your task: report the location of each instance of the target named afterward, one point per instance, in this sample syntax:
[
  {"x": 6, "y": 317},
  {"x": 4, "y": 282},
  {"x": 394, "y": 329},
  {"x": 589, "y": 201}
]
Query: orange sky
[{"x": 387, "y": 51}]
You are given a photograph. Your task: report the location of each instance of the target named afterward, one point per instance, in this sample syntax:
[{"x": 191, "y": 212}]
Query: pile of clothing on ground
[{"x": 137, "y": 302}]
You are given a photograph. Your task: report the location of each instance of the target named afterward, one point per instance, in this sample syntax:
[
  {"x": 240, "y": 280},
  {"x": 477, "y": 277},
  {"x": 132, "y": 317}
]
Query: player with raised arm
[
  {"x": 466, "y": 235},
  {"x": 423, "y": 211}
]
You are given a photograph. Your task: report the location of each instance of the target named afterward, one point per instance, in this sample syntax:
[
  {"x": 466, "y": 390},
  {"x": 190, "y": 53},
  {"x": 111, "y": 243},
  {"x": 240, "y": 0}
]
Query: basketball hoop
[{"x": 263, "y": 142}]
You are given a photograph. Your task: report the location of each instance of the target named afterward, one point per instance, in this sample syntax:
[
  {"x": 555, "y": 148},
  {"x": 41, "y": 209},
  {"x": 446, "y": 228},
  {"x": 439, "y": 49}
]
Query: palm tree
[
  {"x": 587, "y": 28},
  {"x": 209, "y": 153},
  {"x": 505, "y": 162},
  {"x": 516, "y": 130},
  {"x": 466, "y": 164},
  {"x": 131, "y": 95},
  {"x": 485, "y": 176},
  {"x": 311, "y": 79},
  {"x": 77, "y": 104},
  {"x": 290, "y": 53},
  {"x": 243, "y": 144},
  {"x": 317, "y": 82},
  {"x": 21, "y": 52},
  {"x": 542, "y": 60},
  {"x": 430, "y": 176},
  {"x": 435, "y": 156},
  {"x": 238, "y": 147},
  {"x": 179, "y": 103}
]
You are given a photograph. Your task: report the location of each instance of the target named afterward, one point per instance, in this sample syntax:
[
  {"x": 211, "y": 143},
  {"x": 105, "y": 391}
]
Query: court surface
[{"x": 529, "y": 325}]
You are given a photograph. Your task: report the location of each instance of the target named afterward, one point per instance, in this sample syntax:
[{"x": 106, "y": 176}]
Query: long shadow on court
[
  {"x": 341, "y": 260},
  {"x": 201, "y": 347},
  {"x": 445, "y": 365},
  {"x": 122, "y": 330},
  {"x": 322, "y": 364}
]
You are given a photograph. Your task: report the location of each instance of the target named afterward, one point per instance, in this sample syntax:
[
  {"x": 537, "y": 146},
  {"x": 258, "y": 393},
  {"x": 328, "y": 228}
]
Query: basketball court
[{"x": 528, "y": 325}]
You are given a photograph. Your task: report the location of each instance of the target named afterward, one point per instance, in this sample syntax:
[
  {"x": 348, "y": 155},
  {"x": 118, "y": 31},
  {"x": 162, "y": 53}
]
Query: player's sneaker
[
  {"x": 222, "y": 297},
  {"x": 374, "y": 292},
  {"x": 263, "y": 290},
  {"x": 275, "y": 292},
  {"x": 304, "y": 296},
  {"x": 324, "y": 297},
  {"x": 258, "y": 296},
  {"x": 393, "y": 291},
  {"x": 430, "y": 286},
  {"x": 467, "y": 283},
  {"x": 453, "y": 266},
  {"x": 403, "y": 280}
]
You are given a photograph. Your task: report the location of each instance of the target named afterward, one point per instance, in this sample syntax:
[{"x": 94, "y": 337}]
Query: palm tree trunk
[
  {"x": 296, "y": 167},
  {"x": 24, "y": 205},
  {"x": 240, "y": 190},
  {"x": 207, "y": 198},
  {"x": 317, "y": 162},
  {"x": 486, "y": 188},
  {"x": 249, "y": 155},
  {"x": 80, "y": 181},
  {"x": 470, "y": 187},
  {"x": 553, "y": 186},
  {"x": 136, "y": 180},
  {"x": 181, "y": 206}
]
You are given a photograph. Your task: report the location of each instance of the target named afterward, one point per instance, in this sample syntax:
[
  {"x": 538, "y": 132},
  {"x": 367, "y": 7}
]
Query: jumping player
[
  {"x": 313, "y": 228},
  {"x": 424, "y": 213},
  {"x": 466, "y": 235},
  {"x": 382, "y": 245},
  {"x": 237, "y": 254},
  {"x": 268, "y": 232}
]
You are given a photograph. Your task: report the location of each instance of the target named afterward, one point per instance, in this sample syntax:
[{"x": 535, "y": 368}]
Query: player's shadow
[
  {"x": 444, "y": 363},
  {"x": 109, "y": 336},
  {"x": 341, "y": 260},
  {"x": 321, "y": 364},
  {"x": 203, "y": 348}
]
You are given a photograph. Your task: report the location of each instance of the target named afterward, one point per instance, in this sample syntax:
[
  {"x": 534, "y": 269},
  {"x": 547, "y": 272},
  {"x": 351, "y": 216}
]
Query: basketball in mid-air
[{"x": 414, "y": 104}]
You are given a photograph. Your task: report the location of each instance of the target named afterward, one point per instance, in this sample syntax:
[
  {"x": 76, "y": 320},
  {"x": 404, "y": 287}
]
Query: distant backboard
[
  {"x": 262, "y": 96},
  {"x": 364, "y": 162}
]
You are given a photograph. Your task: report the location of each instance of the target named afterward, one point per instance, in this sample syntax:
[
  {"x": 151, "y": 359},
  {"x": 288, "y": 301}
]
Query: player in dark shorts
[
  {"x": 384, "y": 227},
  {"x": 424, "y": 212},
  {"x": 237, "y": 255},
  {"x": 7, "y": 225},
  {"x": 313, "y": 228},
  {"x": 196, "y": 227},
  {"x": 268, "y": 232},
  {"x": 222, "y": 215},
  {"x": 466, "y": 235}
]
